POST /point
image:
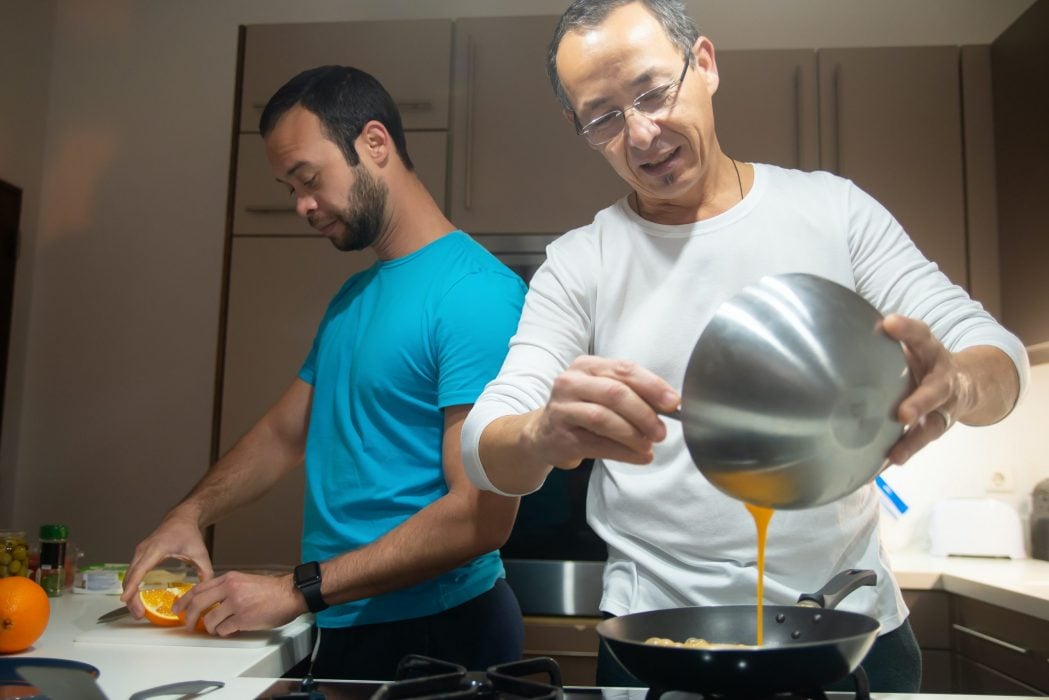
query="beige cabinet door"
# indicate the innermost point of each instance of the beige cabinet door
(263, 206)
(517, 165)
(765, 108)
(411, 58)
(278, 291)
(891, 121)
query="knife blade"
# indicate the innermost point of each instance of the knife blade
(113, 615)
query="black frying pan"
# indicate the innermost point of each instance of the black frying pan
(806, 646)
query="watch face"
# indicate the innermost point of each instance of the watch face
(304, 573)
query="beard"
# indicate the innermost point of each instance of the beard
(365, 211)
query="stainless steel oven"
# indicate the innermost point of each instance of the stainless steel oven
(553, 559)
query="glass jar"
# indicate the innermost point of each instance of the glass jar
(14, 553)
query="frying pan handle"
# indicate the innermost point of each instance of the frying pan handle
(837, 588)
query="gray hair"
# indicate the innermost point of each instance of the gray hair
(587, 14)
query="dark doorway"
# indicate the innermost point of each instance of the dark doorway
(10, 211)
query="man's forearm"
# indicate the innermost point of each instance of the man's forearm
(992, 385)
(448, 533)
(508, 459)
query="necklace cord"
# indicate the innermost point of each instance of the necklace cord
(738, 180)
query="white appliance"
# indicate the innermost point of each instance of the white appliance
(976, 527)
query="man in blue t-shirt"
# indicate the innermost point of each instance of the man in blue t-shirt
(400, 549)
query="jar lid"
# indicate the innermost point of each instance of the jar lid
(54, 532)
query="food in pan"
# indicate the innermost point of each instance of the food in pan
(694, 643)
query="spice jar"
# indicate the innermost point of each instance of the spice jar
(14, 553)
(51, 574)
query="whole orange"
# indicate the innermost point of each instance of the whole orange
(24, 612)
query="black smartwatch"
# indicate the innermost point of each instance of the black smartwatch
(308, 580)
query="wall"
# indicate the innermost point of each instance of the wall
(119, 341)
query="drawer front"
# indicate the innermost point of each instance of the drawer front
(571, 641)
(1013, 643)
(972, 678)
(553, 635)
(930, 617)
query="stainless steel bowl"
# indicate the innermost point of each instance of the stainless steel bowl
(790, 395)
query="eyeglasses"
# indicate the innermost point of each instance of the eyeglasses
(652, 103)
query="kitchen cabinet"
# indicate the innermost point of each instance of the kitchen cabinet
(930, 618)
(765, 108)
(997, 649)
(972, 647)
(1020, 71)
(410, 58)
(891, 121)
(517, 164)
(278, 291)
(571, 641)
(263, 206)
(909, 125)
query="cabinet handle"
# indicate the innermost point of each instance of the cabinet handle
(414, 105)
(269, 209)
(562, 652)
(468, 165)
(989, 638)
(836, 101)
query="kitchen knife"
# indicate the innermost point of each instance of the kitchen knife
(114, 615)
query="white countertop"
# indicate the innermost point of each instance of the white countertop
(1021, 585)
(129, 667)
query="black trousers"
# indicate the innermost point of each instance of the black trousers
(893, 665)
(481, 632)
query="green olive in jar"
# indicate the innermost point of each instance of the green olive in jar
(14, 556)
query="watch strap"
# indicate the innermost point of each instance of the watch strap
(308, 580)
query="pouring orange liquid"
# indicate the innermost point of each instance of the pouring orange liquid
(761, 516)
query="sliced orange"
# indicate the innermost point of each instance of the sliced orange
(158, 602)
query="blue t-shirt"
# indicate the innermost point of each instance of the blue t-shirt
(399, 342)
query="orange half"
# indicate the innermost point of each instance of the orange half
(158, 602)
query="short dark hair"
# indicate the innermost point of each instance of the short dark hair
(587, 14)
(344, 99)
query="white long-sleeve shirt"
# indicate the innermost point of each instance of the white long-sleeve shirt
(623, 287)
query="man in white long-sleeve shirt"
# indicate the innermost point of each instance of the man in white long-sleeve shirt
(611, 318)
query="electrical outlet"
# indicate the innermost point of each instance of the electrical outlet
(1000, 480)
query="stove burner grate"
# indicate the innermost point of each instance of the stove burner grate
(423, 678)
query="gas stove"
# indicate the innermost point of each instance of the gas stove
(423, 678)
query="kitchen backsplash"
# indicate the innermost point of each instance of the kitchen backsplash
(964, 464)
